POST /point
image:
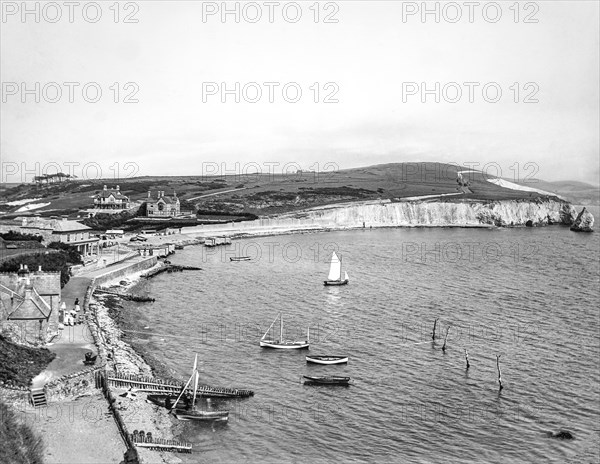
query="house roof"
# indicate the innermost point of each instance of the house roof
(32, 306)
(68, 226)
(168, 200)
(115, 193)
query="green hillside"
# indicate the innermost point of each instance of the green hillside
(264, 194)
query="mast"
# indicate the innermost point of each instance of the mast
(281, 327)
(195, 388)
(182, 392)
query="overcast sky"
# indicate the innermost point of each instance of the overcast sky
(371, 55)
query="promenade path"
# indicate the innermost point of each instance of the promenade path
(81, 430)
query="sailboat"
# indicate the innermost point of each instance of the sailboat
(335, 272)
(281, 343)
(191, 413)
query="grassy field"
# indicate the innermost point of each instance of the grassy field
(264, 194)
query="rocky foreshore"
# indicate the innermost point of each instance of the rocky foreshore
(136, 412)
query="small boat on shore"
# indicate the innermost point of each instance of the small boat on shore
(168, 401)
(327, 359)
(335, 272)
(280, 343)
(240, 258)
(326, 380)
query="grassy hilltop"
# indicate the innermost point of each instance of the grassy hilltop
(266, 194)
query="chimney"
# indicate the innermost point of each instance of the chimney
(149, 194)
(174, 193)
(117, 188)
(105, 187)
(39, 268)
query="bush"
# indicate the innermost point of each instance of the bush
(12, 236)
(20, 444)
(72, 253)
(110, 221)
(50, 261)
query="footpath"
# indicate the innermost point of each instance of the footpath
(80, 430)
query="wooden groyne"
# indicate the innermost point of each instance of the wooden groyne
(170, 268)
(150, 384)
(142, 440)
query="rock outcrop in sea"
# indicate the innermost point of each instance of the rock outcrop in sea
(584, 222)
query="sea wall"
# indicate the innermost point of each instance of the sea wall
(386, 213)
(125, 271)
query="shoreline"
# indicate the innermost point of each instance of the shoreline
(137, 413)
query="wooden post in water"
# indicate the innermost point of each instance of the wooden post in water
(434, 326)
(499, 373)
(445, 338)
(467, 358)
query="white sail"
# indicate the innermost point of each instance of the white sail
(346, 276)
(335, 269)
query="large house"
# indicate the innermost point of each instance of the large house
(162, 206)
(75, 234)
(29, 305)
(111, 199)
(62, 230)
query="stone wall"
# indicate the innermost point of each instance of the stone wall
(124, 271)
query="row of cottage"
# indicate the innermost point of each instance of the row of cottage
(161, 206)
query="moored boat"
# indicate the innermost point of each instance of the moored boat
(240, 258)
(281, 343)
(335, 272)
(326, 380)
(198, 415)
(327, 359)
(189, 412)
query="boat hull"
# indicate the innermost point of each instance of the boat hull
(183, 414)
(332, 380)
(163, 400)
(241, 258)
(284, 346)
(327, 359)
(336, 282)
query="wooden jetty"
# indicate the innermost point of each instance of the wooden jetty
(170, 268)
(150, 384)
(159, 444)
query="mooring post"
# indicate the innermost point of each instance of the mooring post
(467, 358)
(445, 338)
(499, 373)
(434, 326)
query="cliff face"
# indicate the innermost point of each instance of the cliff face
(416, 213)
(584, 222)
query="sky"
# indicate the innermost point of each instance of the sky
(369, 74)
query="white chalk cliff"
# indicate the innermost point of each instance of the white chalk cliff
(438, 214)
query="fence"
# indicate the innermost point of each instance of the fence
(154, 385)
